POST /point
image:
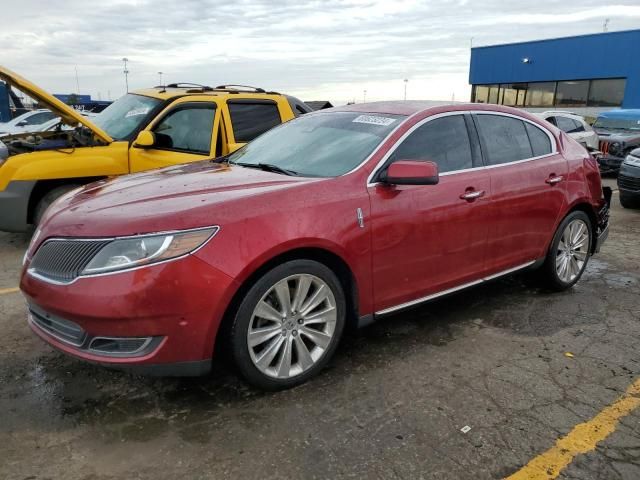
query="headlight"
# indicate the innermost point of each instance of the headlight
(631, 160)
(614, 147)
(130, 252)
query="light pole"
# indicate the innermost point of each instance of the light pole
(364, 96)
(160, 74)
(77, 82)
(126, 73)
(406, 80)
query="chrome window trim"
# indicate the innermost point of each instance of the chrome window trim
(433, 296)
(31, 272)
(394, 147)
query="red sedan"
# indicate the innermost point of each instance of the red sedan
(338, 217)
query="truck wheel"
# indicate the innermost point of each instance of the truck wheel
(48, 198)
(288, 325)
(569, 252)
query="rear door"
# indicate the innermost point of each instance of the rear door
(247, 118)
(186, 131)
(430, 238)
(528, 188)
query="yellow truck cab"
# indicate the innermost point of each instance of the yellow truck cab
(145, 129)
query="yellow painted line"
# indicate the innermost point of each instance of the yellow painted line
(4, 291)
(582, 439)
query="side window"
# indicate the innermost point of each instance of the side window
(39, 118)
(252, 119)
(504, 139)
(540, 143)
(579, 127)
(552, 121)
(567, 125)
(444, 141)
(188, 128)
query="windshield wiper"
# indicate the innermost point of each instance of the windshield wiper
(267, 167)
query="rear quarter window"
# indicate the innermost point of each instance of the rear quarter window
(540, 143)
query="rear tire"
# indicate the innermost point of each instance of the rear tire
(569, 252)
(48, 198)
(288, 325)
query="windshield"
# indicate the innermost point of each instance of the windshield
(319, 145)
(125, 115)
(617, 123)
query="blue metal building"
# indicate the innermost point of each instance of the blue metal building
(599, 70)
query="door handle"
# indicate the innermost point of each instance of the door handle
(471, 195)
(553, 179)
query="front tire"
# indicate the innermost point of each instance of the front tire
(569, 252)
(48, 198)
(288, 325)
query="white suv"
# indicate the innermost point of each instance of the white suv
(574, 125)
(27, 122)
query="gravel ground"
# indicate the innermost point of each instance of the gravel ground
(391, 404)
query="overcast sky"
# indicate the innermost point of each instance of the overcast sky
(318, 50)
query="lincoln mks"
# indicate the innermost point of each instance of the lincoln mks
(331, 220)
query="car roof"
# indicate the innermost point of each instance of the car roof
(166, 93)
(557, 113)
(628, 114)
(400, 107)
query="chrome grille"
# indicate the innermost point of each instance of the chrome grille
(63, 260)
(628, 183)
(60, 328)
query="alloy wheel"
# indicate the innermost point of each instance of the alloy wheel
(292, 326)
(572, 251)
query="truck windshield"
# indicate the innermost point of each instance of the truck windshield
(617, 123)
(125, 115)
(318, 145)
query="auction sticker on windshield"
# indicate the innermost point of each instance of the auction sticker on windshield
(137, 111)
(374, 120)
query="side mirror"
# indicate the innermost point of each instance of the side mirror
(145, 139)
(412, 172)
(21, 123)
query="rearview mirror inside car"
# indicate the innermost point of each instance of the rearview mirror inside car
(412, 172)
(145, 139)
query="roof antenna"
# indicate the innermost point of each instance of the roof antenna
(605, 25)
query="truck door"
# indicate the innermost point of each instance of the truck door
(185, 131)
(247, 118)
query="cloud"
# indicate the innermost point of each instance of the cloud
(332, 49)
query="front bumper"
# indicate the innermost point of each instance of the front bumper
(178, 305)
(609, 164)
(14, 206)
(629, 180)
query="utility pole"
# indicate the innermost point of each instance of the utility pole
(364, 97)
(160, 74)
(77, 82)
(126, 73)
(605, 25)
(406, 80)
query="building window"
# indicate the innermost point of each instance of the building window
(481, 93)
(572, 94)
(606, 93)
(540, 94)
(493, 93)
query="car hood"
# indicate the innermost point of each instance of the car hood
(68, 114)
(174, 198)
(617, 136)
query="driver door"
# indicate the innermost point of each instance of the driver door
(186, 131)
(429, 239)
